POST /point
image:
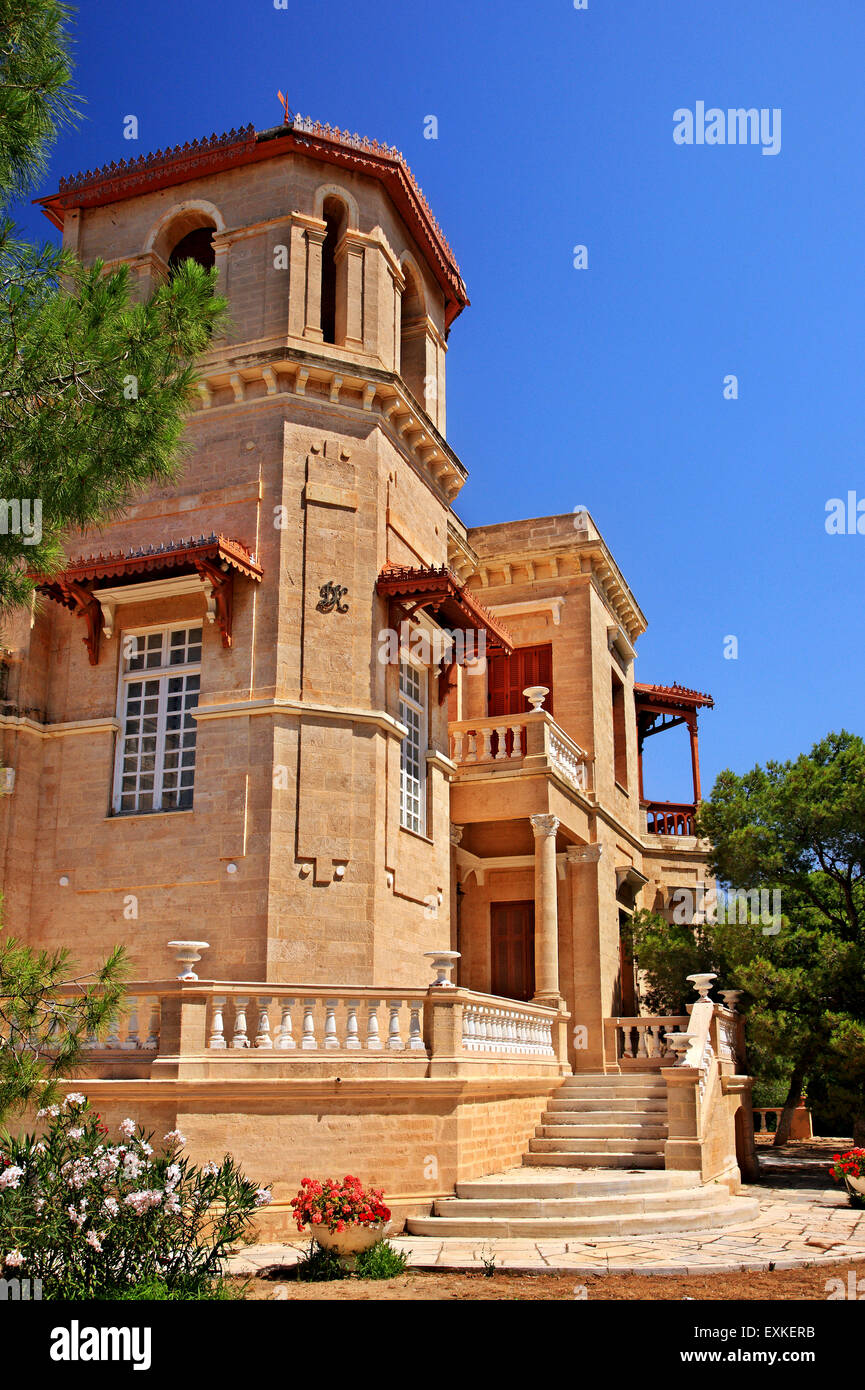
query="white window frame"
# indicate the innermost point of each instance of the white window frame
(163, 674)
(414, 789)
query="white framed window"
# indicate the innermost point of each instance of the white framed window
(160, 680)
(412, 767)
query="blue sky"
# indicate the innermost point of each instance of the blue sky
(604, 386)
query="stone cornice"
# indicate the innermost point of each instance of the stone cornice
(590, 557)
(234, 709)
(236, 378)
(76, 726)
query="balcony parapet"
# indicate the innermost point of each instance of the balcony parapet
(208, 1029)
(670, 817)
(531, 742)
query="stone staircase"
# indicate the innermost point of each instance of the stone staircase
(597, 1124)
(603, 1121)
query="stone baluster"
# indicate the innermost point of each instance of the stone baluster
(457, 745)
(627, 1044)
(217, 1026)
(394, 1041)
(485, 752)
(240, 1038)
(373, 1041)
(469, 1028)
(262, 1036)
(308, 1039)
(415, 1030)
(132, 1040)
(517, 745)
(153, 1027)
(642, 1048)
(331, 1038)
(285, 1038)
(502, 735)
(472, 751)
(352, 1041)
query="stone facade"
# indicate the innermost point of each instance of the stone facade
(317, 442)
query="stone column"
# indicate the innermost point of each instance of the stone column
(349, 259)
(456, 833)
(314, 243)
(546, 910)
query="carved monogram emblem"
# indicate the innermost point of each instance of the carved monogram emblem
(331, 598)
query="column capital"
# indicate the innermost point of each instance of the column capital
(456, 834)
(544, 825)
(584, 854)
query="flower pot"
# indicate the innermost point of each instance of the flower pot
(349, 1243)
(855, 1186)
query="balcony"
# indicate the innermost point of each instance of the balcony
(669, 817)
(532, 742)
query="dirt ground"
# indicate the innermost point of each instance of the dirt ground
(807, 1283)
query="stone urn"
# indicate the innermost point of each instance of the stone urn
(536, 694)
(702, 984)
(443, 963)
(188, 954)
(350, 1243)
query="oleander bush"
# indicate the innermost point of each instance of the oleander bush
(96, 1219)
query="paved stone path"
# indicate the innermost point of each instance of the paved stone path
(800, 1222)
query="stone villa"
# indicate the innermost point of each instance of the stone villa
(290, 723)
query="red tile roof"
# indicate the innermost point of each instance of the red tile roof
(451, 602)
(214, 153)
(171, 555)
(673, 695)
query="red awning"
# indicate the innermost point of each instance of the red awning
(437, 591)
(215, 559)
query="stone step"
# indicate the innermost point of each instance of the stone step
(518, 1184)
(575, 1116)
(702, 1199)
(562, 1129)
(608, 1104)
(627, 1088)
(696, 1218)
(615, 1078)
(559, 1158)
(599, 1146)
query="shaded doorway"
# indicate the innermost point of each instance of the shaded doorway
(512, 950)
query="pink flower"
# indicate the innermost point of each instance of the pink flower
(127, 1128)
(14, 1260)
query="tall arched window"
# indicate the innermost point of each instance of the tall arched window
(334, 215)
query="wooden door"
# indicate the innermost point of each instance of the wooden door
(512, 950)
(508, 677)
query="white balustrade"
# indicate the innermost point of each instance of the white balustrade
(489, 1028)
(124, 1034)
(568, 759)
(330, 1023)
(487, 742)
(651, 1041)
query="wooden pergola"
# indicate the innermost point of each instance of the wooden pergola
(661, 707)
